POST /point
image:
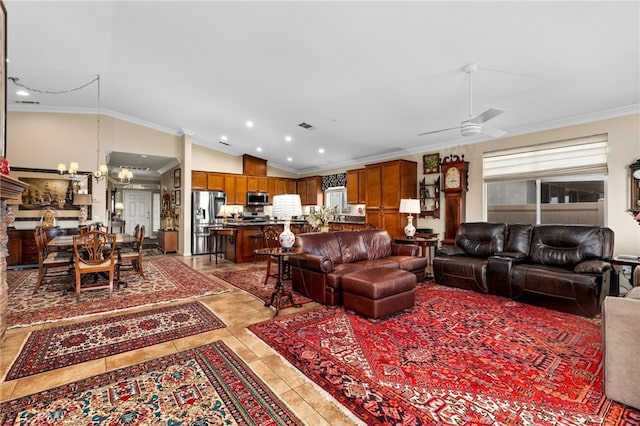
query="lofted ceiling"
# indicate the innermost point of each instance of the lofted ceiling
(368, 76)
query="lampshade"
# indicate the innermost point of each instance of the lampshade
(409, 205)
(119, 206)
(81, 199)
(286, 206)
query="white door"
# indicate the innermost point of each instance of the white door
(137, 210)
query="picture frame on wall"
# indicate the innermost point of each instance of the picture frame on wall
(431, 163)
(176, 197)
(176, 178)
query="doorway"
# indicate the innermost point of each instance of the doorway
(137, 209)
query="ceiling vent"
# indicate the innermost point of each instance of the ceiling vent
(224, 143)
(305, 125)
(28, 102)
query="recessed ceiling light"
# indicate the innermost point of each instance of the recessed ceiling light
(288, 138)
(321, 150)
(249, 124)
(259, 149)
(22, 93)
(223, 138)
(289, 159)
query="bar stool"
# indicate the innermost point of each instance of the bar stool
(256, 241)
(217, 239)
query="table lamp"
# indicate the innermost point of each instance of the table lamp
(409, 205)
(286, 206)
(82, 200)
(118, 208)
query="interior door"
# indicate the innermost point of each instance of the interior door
(137, 209)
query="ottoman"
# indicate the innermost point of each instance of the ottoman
(378, 292)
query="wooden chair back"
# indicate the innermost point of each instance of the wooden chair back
(94, 244)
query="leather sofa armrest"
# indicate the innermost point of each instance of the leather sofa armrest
(592, 267)
(515, 255)
(404, 249)
(447, 250)
(313, 262)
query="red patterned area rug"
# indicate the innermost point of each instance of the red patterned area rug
(57, 347)
(251, 281)
(458, 357)
(208, 385)
(167, 279)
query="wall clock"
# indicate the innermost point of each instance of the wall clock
(455, 171)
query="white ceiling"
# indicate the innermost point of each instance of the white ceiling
(368, 76)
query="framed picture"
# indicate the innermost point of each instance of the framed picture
(177, 197)
(431, 163)
(3, 81)
(176, 178)
(49, 190)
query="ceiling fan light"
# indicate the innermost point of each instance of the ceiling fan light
(468, 128)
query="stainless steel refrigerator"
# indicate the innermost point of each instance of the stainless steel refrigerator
(205, 206)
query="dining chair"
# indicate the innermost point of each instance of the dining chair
(50, 263)
(96, 259)
(132, 258)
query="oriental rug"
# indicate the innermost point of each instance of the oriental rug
(458, 357)
(251, 280)
(167, 279)
(208, 385)
(71, 344)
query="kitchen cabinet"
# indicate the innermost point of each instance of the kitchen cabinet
(215, 181)
(388, 183)
(356, 186)
(199, 180)
(310, 190)
(240, 190)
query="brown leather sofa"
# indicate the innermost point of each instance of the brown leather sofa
(329, 256)
(564, 267)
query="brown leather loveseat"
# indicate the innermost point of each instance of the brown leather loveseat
(329, 256)
(564, 267)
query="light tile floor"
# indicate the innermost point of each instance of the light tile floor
(238, 310)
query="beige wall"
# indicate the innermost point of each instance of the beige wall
(43, 140)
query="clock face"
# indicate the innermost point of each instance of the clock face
(636, 174)
(452, 178)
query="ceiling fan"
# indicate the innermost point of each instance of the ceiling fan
(474, 125)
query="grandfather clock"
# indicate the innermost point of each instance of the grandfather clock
(454, 176)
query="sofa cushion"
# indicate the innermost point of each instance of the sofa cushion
(378, 242)
(480, 239)
(565, 245)
(352, 246)
(334, 279)
(321, 244)
(518, 239)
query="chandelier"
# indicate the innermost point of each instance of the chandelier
(125, 175)
(101, 170)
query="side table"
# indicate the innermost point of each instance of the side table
(622, 260)
(426, 247)
(280, 292)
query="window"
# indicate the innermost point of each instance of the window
(336, 197)
(557, 182)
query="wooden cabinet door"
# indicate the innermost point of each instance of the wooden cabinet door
(374, 218)
(390, 185)
(362, 186)
(199, 180)
(230, 189)
(373, 182)
(252, 183)
(263, 184)
(272, 188)
(290, 186)
(302, 190)
(241, 189)
(314, 191)
(281, 186)
(352, 186)
(215, 182)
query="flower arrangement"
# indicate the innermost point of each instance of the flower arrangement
(321, 217)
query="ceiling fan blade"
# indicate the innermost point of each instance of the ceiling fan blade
(492, 131)
(486, 116)
(438, 131)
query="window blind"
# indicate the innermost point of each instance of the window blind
(578, 156)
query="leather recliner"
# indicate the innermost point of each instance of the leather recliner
(563, 267)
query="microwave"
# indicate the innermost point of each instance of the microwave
(257, 198)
